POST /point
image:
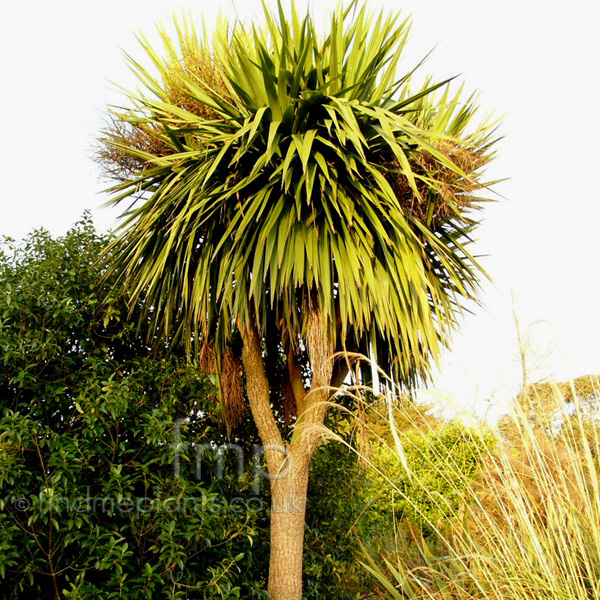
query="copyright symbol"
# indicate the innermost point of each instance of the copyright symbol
(21, 504)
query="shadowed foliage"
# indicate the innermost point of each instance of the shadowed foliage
(89, 505)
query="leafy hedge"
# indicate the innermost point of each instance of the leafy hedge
(90, 505)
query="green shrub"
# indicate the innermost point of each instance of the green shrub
(371, 498)
(90, 506)
(422, 490)
(335, 503)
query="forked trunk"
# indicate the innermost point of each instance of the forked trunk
(288, 463)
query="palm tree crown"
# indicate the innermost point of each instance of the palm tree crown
(281, 171)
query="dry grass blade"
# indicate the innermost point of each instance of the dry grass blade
(530, 526)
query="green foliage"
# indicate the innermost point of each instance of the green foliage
(425, 494)
(370, 499)
(276, 168)
(90, 506)
(547, 405)
(88, 422)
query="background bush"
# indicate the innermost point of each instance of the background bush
(88, 425)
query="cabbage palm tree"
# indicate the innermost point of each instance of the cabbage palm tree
(290, 198)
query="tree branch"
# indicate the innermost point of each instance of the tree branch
(320, 351)
(296, 382)
(259, 397)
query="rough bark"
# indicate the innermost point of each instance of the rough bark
(288, 515)
(257, 388)
(288, 465)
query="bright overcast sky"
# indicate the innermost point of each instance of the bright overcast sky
(536, 62)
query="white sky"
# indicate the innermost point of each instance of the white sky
(536, 62)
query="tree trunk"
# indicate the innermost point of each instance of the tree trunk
(288, 464)
(288, 511)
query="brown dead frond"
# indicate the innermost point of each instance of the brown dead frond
(231, 385)
(202, 70)
(443, 192)
(125, 138)
(232, 389)
(119, 164)
(284, 400)
(207, 358)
